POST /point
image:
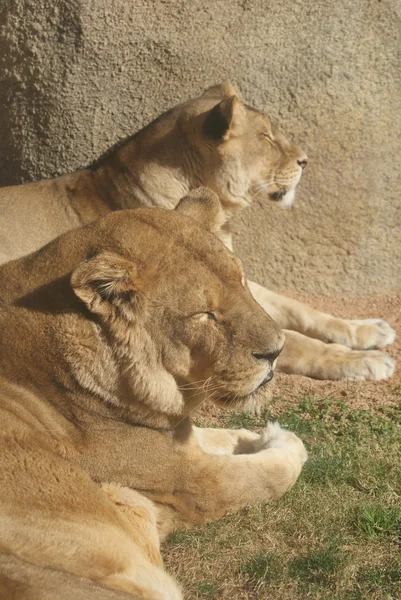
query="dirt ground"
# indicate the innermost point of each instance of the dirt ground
(290, 388)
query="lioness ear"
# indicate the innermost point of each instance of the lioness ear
(105, 281)
(221, 90)
(204, 207)
(224, 119)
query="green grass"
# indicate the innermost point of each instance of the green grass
(264, 566)
(207, 588)
(335, 536)
(374, 520)
(317, 566)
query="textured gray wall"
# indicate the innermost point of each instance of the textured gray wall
(77, 75)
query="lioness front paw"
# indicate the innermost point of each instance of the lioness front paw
(370, 333)
(273, 436)
(368, 366)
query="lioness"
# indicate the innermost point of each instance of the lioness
(216, 141)
(111, 336)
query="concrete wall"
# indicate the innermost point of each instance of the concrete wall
(77, 75)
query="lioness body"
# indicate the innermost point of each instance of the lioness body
(179, 151)
(218, 142)
(106, 349)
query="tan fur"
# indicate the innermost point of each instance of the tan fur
(215, 141)
(107, 347)
(22, 580)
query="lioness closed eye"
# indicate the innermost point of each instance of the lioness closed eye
(111, 336)
(217, 141)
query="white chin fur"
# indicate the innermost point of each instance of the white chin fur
(287, 200)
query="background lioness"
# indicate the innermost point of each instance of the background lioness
(217, 141)
(107, 346)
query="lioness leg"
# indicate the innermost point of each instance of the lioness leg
(291, 314)
(142, 515)
(220, 484)
(22, 580)
(305, 356)
(226, 441)
(64, 521)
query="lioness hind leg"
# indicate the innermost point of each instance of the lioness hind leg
(305, 356)
(142, 515)
(290, 314)
(145, 583)
(67, 523)
(21, 580)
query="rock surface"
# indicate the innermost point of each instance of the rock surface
(76, 76)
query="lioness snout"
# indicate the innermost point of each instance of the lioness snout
(303, 162)
(268, 378)
(268, 347)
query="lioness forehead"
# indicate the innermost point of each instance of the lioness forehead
(257, 118)
(157, 235)
(201, 104)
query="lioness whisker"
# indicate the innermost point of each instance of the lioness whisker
(212, 390)
(262, 184)
(206, 387)
(199, 405)
(262, 187)
(232, 400)
(192, 383)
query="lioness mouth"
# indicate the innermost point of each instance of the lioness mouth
(277, 195)
(268, 378)
(240, 399)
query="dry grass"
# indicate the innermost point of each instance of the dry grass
(335, 536)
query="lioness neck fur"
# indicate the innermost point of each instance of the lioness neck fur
(107, 346)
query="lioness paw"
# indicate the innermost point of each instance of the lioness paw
(369, 366)
(273, 436)
(370, 333)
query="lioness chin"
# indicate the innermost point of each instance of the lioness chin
(216, 141)
(107, 347)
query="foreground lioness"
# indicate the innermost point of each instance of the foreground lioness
(217, 141)
(107, 345)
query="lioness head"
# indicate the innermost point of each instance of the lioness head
(173, 304)
(217, 141)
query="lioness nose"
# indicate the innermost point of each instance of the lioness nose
(268, 356)
(302, 162)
